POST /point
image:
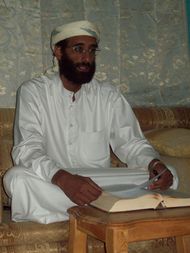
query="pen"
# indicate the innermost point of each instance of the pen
(157, 175)
(146, 184)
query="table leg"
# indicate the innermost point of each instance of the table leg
(77, 238)
(183, 244)
(116, 241)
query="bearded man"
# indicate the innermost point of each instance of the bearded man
(64, 127)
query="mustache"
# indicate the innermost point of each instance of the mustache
(85, 64)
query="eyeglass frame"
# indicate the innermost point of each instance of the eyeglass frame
(78, 49)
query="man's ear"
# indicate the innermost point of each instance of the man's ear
(57, 52)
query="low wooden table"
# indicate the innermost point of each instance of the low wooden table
(119, 229)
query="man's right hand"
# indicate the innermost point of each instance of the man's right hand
(81, 190)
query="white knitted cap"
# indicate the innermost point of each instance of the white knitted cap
(78, 28)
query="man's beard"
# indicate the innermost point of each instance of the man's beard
(68, 69)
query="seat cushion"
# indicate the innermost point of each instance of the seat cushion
(31, 237)
(171, 142)
(5, 161)
(5, 164)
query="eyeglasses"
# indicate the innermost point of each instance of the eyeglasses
(78, 49)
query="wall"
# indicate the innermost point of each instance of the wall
(143, 46)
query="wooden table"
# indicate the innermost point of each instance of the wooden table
(119, 229)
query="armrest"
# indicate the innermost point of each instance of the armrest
(6, 140)
(162, 117)
(1, 201)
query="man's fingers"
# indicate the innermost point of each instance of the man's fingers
(93, 184)
(85, 197)
(163, 183)
(89, 192)
(81, 190)
(84, 191)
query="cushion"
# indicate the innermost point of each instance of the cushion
(5, 151)
(5, 163)
(171, 142)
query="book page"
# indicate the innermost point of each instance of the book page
(173, 198)
(134, 200)
(126, 197)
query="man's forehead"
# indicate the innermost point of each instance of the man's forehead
(82, 39)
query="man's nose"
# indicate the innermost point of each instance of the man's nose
(87, 57)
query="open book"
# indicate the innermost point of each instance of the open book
(141, 199)
(120, 198)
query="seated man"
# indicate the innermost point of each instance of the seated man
(68, 121)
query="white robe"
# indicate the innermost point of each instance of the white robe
(53, 132)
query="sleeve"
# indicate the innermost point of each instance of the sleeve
(29, 150)
(127, 139)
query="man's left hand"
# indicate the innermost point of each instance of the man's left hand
(164, 181)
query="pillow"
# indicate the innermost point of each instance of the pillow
(171, 142)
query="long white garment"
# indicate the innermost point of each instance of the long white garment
(37, 200)
(54, 132)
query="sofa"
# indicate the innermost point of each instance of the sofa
(167, 129)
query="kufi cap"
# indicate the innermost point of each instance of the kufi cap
(78, 28)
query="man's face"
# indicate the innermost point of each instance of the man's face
(77, 61)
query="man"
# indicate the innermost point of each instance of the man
(69, 121)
